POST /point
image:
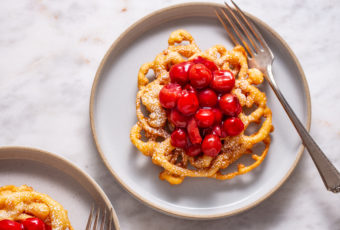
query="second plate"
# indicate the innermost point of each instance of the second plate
(53, 175)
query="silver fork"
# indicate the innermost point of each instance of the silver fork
(243, 32)
(95, 222)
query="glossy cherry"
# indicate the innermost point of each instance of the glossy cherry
(200, 76)
(233, 126)
(223, 81)
(190, 89)
(187, 103)
(210, 64)
(179, 73)
(218, 115)
(178, 119)
(179, 138)
(217, 130)
(211, 145)
(169, 95)
(193, 150)
(194, 132)
(205, 118)
(10, 225)
(33, 224)
(207, 98)
(230, 105)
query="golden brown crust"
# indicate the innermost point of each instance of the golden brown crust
(174, 161)
(19, 203)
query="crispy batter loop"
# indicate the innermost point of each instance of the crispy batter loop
(19, 203)
(154, 126)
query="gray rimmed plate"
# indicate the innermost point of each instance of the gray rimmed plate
(112, 114)
(57, 177)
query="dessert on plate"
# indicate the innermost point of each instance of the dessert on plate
(193, 115)
(22, 208)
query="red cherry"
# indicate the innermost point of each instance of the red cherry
(194, 150)
(210, 64)
(207, 98)
(200, 76)
(33, 224)
(218, 115)
(223, 81)
(179, 73)
(233, 126)
(205, 118)
(187, 103)
(194, 132)
(169, 95)
(190, 89)
(217, 130)
(179, 138)
(178, 119)
(230, 105)
(211, 145)
(10, 225)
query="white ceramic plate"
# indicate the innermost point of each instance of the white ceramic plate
(112, 114)
(50, 174)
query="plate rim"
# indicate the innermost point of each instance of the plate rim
(154, 205)
(67, 167)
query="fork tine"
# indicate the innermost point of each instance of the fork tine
(230, 34)
(237, 32)
(96, 219)
(88, 225)
(243, 28)
(103, 220)
(253, 29)
(111, 219)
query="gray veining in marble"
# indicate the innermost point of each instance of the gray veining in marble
(49, 53)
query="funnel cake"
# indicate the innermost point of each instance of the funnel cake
(154, 136)
(22, 203)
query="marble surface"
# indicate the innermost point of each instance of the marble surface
(49, 53)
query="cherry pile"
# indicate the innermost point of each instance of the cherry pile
(200, 106)
(28, 224)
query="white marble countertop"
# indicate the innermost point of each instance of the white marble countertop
(49, 53)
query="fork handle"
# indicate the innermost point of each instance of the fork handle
(329, 174)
